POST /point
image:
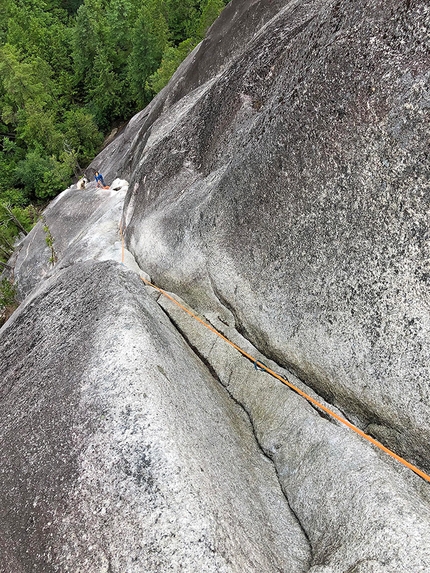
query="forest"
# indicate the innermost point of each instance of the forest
(70, 71)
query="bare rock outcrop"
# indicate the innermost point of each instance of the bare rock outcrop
(290, 184)
(119, 451)
(359, 515)
(82, 224)
(279, 185)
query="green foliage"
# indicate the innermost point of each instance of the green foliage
(39, 158)
(21, 218)
(15, 217)
(8, 299)
(10, 154)
(81, 134)
(49, 239)
(182, 16)
(12, 197)
(149, 39)
(172, 57)
(70, 70)
(84, 45)
(193, 24)
(7, 293)
(211, 9)
(102, 43)
(71, 5)
(41, 176)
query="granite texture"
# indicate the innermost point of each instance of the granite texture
(280, 185)
(290, 184)
(119, 450)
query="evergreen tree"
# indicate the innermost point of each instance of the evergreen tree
(71, 6)
(172, 57)
(149, 39)
(84, 46)
(71, 68)
(182, 17)
(211, 9)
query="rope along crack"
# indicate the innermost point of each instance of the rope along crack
(261, 366)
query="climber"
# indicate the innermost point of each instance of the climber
(99, 180)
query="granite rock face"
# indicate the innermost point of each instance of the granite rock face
(83, 224)
(119, 450)
(279, 184)
(358, 514)
(289, 183)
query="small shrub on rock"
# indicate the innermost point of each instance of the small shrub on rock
(8, 299)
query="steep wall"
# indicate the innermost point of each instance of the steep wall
(290, 184)
(280, 185)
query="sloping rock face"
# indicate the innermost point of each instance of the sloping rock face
(278, 184)
(119, 450)
(289, 183)
(359, 515)
(83, 224)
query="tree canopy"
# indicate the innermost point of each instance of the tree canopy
(70, 71)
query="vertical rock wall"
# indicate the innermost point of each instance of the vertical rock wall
(291, 186)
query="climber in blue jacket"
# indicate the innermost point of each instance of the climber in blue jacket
(99, 180)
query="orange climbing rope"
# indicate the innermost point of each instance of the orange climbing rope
(262, 366)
